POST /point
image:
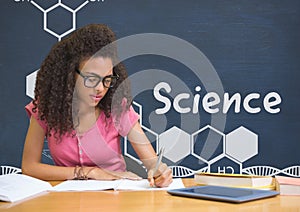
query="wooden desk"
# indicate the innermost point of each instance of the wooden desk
(109, 201)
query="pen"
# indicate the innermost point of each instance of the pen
(160, 155)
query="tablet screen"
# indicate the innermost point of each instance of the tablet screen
(220, 191)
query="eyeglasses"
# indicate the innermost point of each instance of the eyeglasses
(92, 81)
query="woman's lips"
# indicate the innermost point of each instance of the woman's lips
(96, 97)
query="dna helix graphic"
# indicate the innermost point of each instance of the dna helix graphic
(293, 171)
(181, 171)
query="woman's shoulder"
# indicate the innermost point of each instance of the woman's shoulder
(32, 111)
(29, 108)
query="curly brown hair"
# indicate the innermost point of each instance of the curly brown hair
(56, 78)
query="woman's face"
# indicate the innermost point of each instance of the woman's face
(94, 67)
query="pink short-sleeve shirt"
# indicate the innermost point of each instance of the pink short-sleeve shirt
(99, 146)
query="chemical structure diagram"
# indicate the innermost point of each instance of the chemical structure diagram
(67, 8)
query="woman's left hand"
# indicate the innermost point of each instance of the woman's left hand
(162, 177)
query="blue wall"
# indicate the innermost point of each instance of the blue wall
(253, 46)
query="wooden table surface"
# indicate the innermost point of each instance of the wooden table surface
(142, 201)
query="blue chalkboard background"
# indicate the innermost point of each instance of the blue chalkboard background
(254, 47)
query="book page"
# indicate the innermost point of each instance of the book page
(15, 187)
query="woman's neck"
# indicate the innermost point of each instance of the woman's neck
(87, 118)
(84, 111)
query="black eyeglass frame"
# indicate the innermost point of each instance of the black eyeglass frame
(101, 79)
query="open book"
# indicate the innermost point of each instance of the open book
(235, 180)
(15, 187)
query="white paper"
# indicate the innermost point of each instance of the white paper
(15, 187)
(124, 184)
(138, 185)
(84, 185)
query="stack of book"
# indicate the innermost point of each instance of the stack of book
(288, 185)
(236, 180)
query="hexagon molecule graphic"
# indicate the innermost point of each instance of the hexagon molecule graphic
(241, 144)
(207, 149)
(59, 9)
(176, 143)
(64, 27)
(30, 84)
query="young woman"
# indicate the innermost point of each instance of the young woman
(82, 106)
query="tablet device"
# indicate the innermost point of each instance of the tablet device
(221, 193)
